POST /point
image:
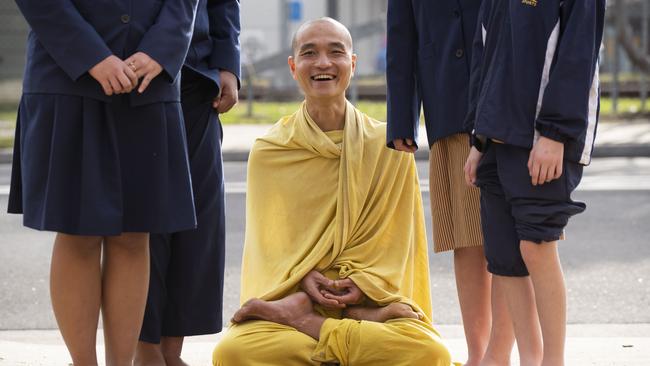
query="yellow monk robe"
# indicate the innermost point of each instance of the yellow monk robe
(341, 203)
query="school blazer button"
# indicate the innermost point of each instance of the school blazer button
(460, 53)
(125, 18)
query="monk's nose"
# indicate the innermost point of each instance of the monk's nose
(323, 61)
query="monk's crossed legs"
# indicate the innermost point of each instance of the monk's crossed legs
(289, 332)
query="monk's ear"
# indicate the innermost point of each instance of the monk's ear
(292, 66)
(354, 63)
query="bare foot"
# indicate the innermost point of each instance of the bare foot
(148, 354)
(295, 310)
(282, 311)
(381, 314)
(175, 362)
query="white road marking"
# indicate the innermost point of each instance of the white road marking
(598, 183)
(588, 183)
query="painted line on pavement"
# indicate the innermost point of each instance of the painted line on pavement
(588, 183)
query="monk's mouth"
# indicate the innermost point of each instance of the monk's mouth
(323, 77)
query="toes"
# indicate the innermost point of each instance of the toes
(413, 315)
(237, 318)
(243, 313)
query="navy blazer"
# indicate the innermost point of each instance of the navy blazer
(428, 64)
(69, 37)
(215, 41)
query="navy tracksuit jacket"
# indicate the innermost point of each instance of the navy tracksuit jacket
(535, 72)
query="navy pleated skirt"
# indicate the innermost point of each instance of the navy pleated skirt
(187, 268)
(87, 167)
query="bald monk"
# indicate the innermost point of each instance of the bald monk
(335, 267)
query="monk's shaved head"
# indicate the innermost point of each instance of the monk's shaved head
(345, 33)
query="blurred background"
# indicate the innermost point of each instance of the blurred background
(267, 27)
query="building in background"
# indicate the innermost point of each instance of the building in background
(267, 26)
(13, 37)
(267, 30)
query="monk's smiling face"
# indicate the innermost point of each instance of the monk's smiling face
(322, 61)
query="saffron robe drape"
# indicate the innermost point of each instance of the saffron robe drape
(343, 204)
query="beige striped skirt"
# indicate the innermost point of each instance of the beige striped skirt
(455, 207)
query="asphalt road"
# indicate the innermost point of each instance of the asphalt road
(606, 256)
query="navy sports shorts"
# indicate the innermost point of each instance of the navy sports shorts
(512, 209)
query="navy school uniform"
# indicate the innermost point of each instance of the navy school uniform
(534, 73)
(512, 209)
(428, 51)
(187, 268)
(86, 163)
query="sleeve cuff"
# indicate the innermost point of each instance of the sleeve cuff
(225, 57)
(396, 135)
(551, 132)
(83, 61)
(477, 141)
(171, 69)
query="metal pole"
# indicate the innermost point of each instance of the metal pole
(620, 21)
(354, 90)
(249, 89)
(333, 9)
(284, 37)
(284, 23)
(615, 79)
(644, 48)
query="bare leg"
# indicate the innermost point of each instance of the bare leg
(126, 280)
(171, 350)
(543, 263)
(473, 286)
(502, 336)
(148, 354)
(521, 305)
(295, 310)
(380, 314)
(75, 289)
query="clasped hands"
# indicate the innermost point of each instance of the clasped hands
(331, 294)
(117, 76)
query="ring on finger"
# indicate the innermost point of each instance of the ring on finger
(132, 66)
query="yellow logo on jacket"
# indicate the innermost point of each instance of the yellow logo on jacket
(529, 2)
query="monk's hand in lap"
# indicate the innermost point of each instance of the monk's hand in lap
(406, 145)
(471, 165)
(114, 75)
(344, 291)
(545, 161)
(145, 68)
(313, 283)
(228, 94)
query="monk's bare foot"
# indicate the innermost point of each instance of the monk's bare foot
(176, 361)
(295, 310)
(283, 311)
(381, 314)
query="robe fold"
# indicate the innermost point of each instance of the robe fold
(342, 203)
